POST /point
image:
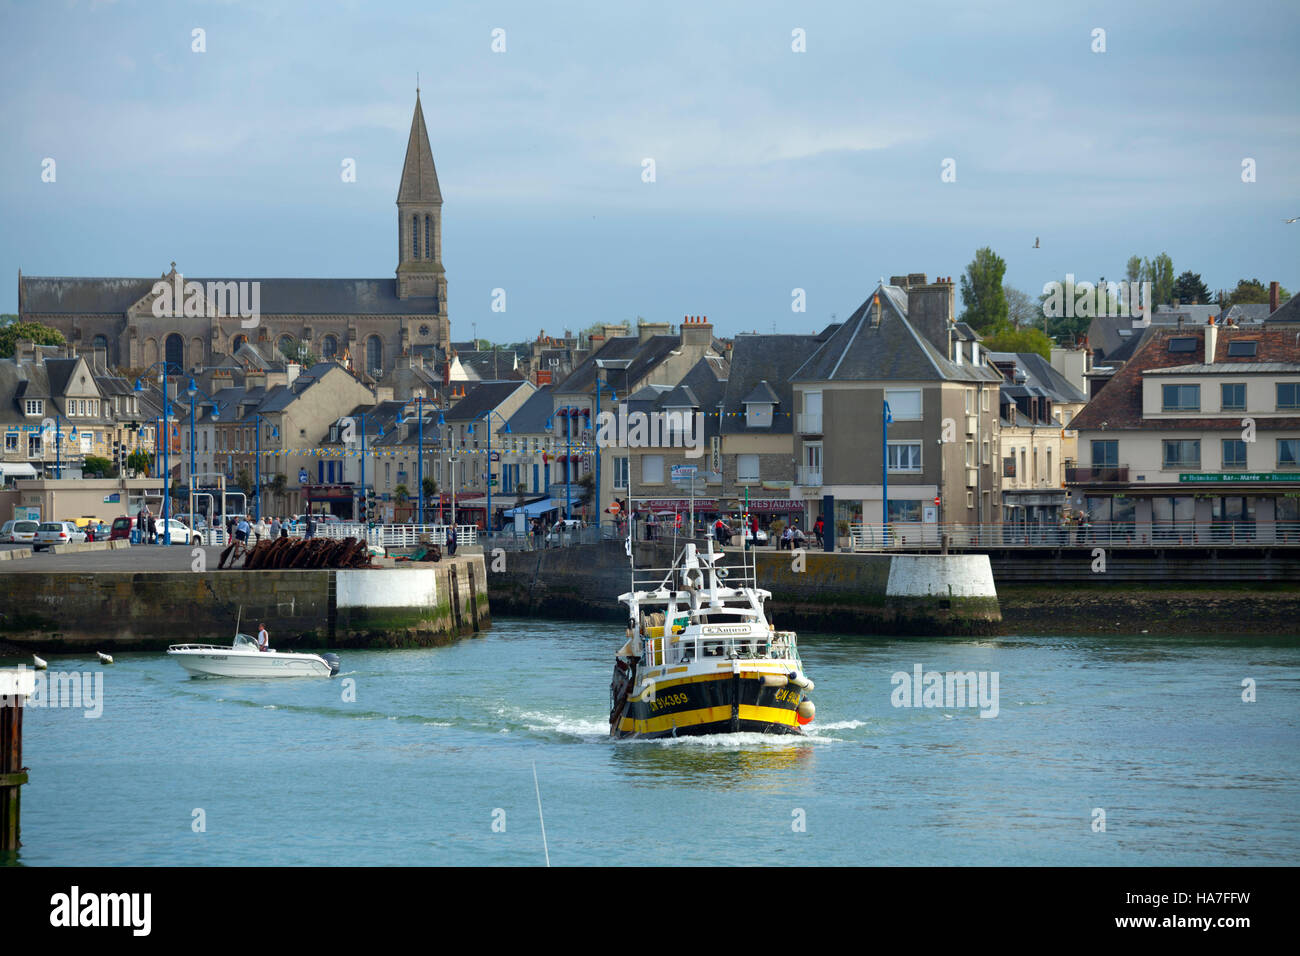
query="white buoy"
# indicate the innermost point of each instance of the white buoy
(40, 663)
(104, 658)
(775, 680)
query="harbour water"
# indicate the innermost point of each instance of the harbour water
(433, 762)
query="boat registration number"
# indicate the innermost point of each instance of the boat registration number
(667, 700)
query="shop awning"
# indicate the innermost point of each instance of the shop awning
(535, 508)
(16, 469)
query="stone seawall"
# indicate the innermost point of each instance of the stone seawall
(848, 593)
(418, 605)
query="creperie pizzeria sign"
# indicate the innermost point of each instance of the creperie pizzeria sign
(759, 505)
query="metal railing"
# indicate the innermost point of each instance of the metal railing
(1095, 474)
(1113, 534)
(809, 478)
(382, 536)
(809, 423)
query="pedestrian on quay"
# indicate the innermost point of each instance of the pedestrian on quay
(242, 529)
(451, 542)
(819, 528)
(311, 525)
(275, 527)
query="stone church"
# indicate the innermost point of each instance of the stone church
(192, 323)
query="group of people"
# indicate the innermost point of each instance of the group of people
(241, 529)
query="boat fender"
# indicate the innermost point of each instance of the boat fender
(803, 683)
(805, 712)
(775, 680)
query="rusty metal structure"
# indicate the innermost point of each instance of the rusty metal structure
(299, 553)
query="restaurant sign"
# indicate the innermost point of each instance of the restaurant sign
(1196, 478)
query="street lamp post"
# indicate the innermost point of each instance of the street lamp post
(487, 417)
(418, 402)
(257, 464)
(568, 457)
(191, 391)
(885, 418)
(58, 444)
(166, 418)
(613, 397)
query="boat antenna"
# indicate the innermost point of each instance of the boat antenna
(238, 618)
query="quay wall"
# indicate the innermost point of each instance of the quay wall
(852, 593)
(406, 606)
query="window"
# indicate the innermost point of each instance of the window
(970, 453)
(1009, 465)
(758, 414)
(1105, 453)
(984, 457)
(1182, 453)
(34, 445)
(1183, 345)
(428, 238)
(984, 399)
(1288, 452)
(34, 406)
(904, 404)
(620, 472)
(1181, 398)
(1050, 476)
(1234, 453)
(970, 401)
(11, 441)
(747, 468)
(1242, 349)
(904, 510)
(905, 456)
(652, 469)
(415, 237)
(1234, 396)
(1288, 395)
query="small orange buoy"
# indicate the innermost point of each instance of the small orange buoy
(805, 712)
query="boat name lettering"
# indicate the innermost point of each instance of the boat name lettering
(786, 694)
(725, 629)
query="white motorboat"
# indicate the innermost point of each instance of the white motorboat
(243, 659)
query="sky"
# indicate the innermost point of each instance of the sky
(775, 169)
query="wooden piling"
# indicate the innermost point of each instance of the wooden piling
(15, 686)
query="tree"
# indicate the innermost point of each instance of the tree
(1253, 292)
(1026, 339)
(1160, 273)
(1133, 269)
(244, 480)
(981, 292)
(138, 461)
(37, 333)
(278, 486)
(1190, 290)
(1021, 308)
(401, 494)
(96, 467)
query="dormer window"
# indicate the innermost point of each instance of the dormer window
(758, 414)
(34, 406)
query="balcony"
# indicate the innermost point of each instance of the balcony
(809, 423)
(1096, 475)
(810, 478)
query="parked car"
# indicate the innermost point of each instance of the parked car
(564, 531)
(121, 529)
(57, 532)
(197, 522)
(18, 531)
(180, 533)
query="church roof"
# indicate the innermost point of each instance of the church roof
(54, 295)
(419, 178)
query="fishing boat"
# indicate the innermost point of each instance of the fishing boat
(243, 658)
(701, 656)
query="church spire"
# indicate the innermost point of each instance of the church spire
(419, 177)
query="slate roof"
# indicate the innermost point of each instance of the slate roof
(1288, 312)
(59, 295)
(762, 393)
(530, 418)
(772, 359)
(643, 356)
(892, 351)
(481, 398)
(1040, 373)
(1119, 404)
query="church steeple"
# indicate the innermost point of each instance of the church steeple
(420, 275)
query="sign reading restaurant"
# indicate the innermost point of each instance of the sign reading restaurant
(1256, 476)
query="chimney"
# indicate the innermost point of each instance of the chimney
(1211, 341)
(697, 332)
(931, 311)
(647, 329)
(1272, 297)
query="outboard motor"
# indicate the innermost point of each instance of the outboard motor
(333, 661)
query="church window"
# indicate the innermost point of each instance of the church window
(428, 237)
(375, 355)
(415, 237)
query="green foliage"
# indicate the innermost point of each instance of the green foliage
(586, 488)
(1068, 329)
(981, 292)
(401, 494)
(96, 467)
(1133, 269)
(244, 480)
(1189, 289)
(40, 334)
(1253, 292)
(430, 488)
(1160, 273)
(1025, 339)
(138, 461)
(1021, 307)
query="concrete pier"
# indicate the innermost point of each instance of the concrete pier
(147, 599)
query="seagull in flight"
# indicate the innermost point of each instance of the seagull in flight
(1036, 246)
(1293, 219)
